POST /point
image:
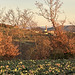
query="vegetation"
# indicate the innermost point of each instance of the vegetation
(44, 54)
(22, 19)
(34, 45)
(60, 43)
(7, 49)
(38, 67)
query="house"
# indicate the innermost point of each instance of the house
(51, 32)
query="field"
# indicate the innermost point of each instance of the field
(38, 67)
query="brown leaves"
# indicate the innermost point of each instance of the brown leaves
(7, 49)
(42, 48)
(62, 41)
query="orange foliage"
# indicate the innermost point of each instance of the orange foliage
(61, 41)
(72, 43)
(17, 33)
(57, 47)
(7, 49)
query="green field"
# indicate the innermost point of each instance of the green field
(38, 67)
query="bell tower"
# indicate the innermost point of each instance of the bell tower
(46, 27)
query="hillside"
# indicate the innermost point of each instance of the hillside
(26, 39)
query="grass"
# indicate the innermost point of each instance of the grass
(37, 67)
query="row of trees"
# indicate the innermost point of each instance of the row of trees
(20, 18)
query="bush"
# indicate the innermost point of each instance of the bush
(53, 47)
(42, 48)
(63, 46)
(7, 49)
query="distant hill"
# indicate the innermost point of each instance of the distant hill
(66, 28)
(70, 28)
(38, 28)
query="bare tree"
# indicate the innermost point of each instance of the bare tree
(27, 17)
(20, 18)
(10, 17)
(2, 20)
(72, 23)
(51, 11)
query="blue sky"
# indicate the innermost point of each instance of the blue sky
(68, 7)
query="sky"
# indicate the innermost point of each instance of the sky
(68, 7)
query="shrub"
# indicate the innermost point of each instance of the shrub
(53, 47)
(63, 47)
(7, 49)
(42, 48)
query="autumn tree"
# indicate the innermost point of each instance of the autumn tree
(60, 42)
(7, 49)
(51, 11)
(63, 47)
